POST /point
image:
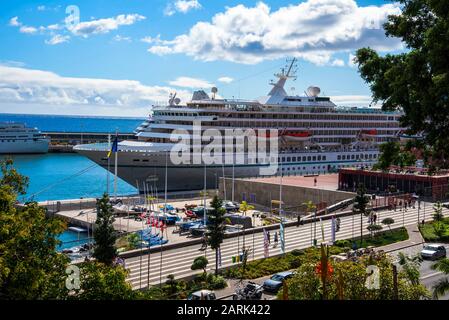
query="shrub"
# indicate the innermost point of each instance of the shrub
(342, 243)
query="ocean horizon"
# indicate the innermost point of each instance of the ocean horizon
(74, 123)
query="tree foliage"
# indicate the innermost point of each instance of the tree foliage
(104, 233)
(200, 263)
(216, 227)
(416, 81)
(30, 267)
(99, 281)
(348, 282)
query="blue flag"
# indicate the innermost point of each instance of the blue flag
(114, 147)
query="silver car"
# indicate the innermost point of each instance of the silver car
(433, 251)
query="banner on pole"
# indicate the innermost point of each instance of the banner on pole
(282, 236)
(333, 226)
(265, 244)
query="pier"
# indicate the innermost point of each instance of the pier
(65, 141)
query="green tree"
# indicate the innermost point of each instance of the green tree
(245, 207)
(12, 178)
(200, 263)
(389, 153)
(360, 207)
(99, 281)
(388, 222)
(30, 266)
(374, 228)
(437, 212)
(104, 233)
(216, 227)
(442, 286)
(416, 81)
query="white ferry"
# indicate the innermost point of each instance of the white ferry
(17, 138)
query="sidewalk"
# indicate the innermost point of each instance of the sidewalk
(415, 238)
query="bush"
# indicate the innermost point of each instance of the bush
(343, 243)
(297, 252)
(216, 282)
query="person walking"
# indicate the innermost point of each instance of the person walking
(337, 222)
(204, 245)
(269, 237)
(275, 239)
(314, 182)
(299, 221)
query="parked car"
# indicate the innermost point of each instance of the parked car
(202, 295)
(433, 251)
(251, 291)
(275, 282)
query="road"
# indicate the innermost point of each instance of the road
(178, 261)
(428, 277)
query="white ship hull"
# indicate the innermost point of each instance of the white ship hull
(31, 146)
(136, 168)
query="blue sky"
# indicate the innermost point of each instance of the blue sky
(123, 56)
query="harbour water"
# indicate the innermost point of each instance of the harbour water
(57, 123)
(58, 176)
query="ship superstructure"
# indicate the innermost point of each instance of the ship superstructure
(18, 138)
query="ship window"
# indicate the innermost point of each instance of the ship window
(343, 157)
(294, 159)
(314, 158)
(352, 157)
(145, 160)
(136, 160)
(338, 157)
(309, 158)
(303, 158)
(319, 158)
(288, 159)
(324, 158)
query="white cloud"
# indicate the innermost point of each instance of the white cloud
(351, 61)
(105, 25)
(120, 38)
(41, 8)
(57, 39)
(37, 91)
(337, 63)
(225, 79)
(182, 6)
(28, 29)
(314, 30)
(14, 22)
(187, 82)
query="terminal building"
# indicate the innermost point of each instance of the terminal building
(411, 180)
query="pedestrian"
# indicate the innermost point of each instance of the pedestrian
(338, 223)
(299, 221)
(275, 239)
(268, 236)
(204, 245)
(314, 182)
(375, 218)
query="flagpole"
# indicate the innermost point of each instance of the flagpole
(109, 162)
(115, 168)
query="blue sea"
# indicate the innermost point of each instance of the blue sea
(56, 176)
(57, 123)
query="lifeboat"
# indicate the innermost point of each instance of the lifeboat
(368, 133)
(297, 136)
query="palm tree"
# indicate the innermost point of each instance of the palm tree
(245, 207)
(310, 206)
(442, 286)
(360, 206)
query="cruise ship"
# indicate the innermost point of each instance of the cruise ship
(18, 138)
(314, 136)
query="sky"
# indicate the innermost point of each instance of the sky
(118, 58)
